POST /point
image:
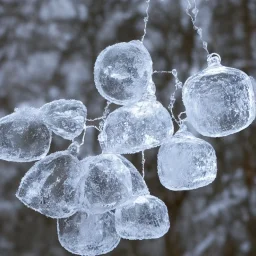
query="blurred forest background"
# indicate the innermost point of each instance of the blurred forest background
(47, 51)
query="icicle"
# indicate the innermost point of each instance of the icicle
(146, 20)
(192, 12)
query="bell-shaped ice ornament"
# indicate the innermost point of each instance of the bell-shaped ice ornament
(23, 136)
(50, 186)
(186, 162)
(219, 100)
(106, 183)
(130, 129)
(89, 235)
(145, 218)
(65, 118)
(122, 72)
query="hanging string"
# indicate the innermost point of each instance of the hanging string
(146, 18)
(83, 138)
(93, 126)
(192, 12)
(104, 116)
(143, 160)
(84, 132)
(178, 85)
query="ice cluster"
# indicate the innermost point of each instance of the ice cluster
(100, 199)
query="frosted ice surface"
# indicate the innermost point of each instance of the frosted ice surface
(186, 162)
(219, 100)
(23, 136)
(105, 185)
(65, 118)
(139, 186)
(122, 72)
(88, 235)
(134, 128)
(49, 187)
(145, 218)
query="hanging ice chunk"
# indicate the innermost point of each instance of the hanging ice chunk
(49, 187)
(122, 72)
(23, 136)
(141, 126)
(139, 186)
(105, 185)
(219, 100)
(186, 162)
(145, 218)
(88, 235)
(65, 118)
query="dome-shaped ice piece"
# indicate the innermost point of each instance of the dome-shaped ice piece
(106, 183)
(219, 100)
(186, 162)
(122, 72)
(65, 118)
(23, 136)
(88, 235)
(134, 128)
(49, 187)
(145, 218)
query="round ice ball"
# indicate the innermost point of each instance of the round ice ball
(106, 183)
(122, 72)
(90, 235)
(186, 162)
(219, 100)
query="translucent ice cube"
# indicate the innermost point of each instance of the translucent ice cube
(186, 162)
(145, 218)
(23, 136)
(88, 235)
(65, 118)
(106, 183)
(122, 72)
(219, 100)
(134, 128)
(49, 187)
